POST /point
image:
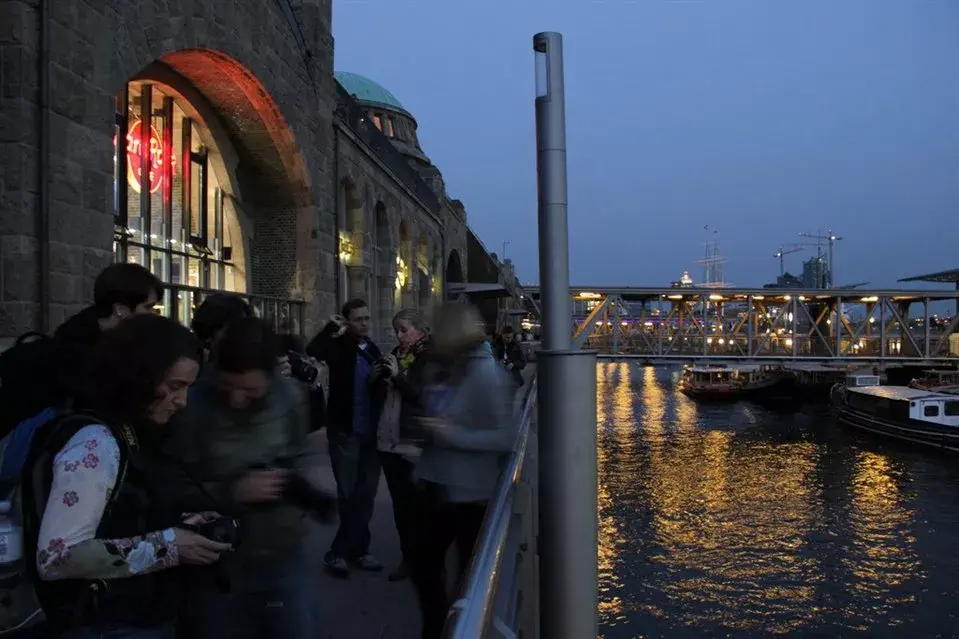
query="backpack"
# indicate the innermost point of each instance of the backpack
(26, 384)
(26, 474)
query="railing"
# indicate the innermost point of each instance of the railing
(499, 597)
(355, 117)
(285, 315)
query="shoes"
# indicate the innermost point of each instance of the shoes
(336, 566)
(369, 563)
(402, 572)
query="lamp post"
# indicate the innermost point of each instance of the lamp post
(566, 424)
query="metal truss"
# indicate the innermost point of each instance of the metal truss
(769, 324)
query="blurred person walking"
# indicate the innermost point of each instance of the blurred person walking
(468, 430)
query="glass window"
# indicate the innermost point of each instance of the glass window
(390, 126)
(172, 214)
(378, 121)
(930, 410)
(952, 409)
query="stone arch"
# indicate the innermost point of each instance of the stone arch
(404, 265)
(454, 269)
(272, 195)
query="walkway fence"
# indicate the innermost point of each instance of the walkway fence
(499, 600)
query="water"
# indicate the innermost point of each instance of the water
(735, 520)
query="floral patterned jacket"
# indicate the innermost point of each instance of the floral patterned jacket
(84, 476)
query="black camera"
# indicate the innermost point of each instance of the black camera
(302, 494)
(302, 368)
(223, 530)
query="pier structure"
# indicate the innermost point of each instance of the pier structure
(687, 324)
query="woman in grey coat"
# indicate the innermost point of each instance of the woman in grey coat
(470, 430)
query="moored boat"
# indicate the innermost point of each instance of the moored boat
(721, 382)
(910, 414)
(937, 380)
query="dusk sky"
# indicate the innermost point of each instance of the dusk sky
(759, 118)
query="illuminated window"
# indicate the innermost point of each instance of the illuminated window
(390, 126)
(171, 213)
(378, 121)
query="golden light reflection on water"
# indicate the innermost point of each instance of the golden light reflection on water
(711, 517)
(612, 385)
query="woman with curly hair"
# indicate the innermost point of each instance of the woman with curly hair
(103, 507)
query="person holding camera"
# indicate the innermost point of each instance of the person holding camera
(397, 433)
(352, 413)
(244, 435)
(102, 506)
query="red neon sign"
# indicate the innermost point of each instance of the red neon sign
(158, 157)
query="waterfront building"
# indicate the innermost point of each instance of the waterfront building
(218, 149)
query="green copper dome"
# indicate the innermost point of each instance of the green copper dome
(368, 92)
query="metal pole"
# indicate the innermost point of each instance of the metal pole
(567, 387)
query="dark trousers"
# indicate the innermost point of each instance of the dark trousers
(120, 631)
(440, 524)
(273, 600)
(356, 468)
(399, 479)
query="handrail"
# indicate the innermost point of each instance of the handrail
(470, 614)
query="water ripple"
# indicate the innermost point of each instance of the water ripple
(734, 520)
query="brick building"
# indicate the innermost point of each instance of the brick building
(259, 171)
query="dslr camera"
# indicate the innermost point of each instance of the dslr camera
(302, 494)
(302, 368)
(223, 530)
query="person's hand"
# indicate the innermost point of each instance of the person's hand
(340, 322)
(323, 373)
(283, 366)
(392, 365)
(196, 519)
(193, 548)
(260, 486)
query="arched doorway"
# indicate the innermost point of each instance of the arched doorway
(454, 270)
(354, 253)
(385, 273)
(404, 266)
(175, 201)
(423, 284)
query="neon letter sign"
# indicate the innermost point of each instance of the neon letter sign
(158, 156)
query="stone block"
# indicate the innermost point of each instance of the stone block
(18, 213)
(66, 288)
(97, 191)
(66, 180)
(17, 318)
(18, 278)
(18, 24)
(66, 258)
(18, 121)
(18, 72)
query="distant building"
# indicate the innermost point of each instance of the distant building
(815, 275)
(685, 281)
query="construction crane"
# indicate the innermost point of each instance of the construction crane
(830, 238)
(782, 252)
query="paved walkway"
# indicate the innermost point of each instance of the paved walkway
(367, 605)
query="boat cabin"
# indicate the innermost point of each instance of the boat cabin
(857, 381)
(902, 403)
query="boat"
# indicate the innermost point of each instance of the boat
(910, 414)
(721, 382)
(937, 380)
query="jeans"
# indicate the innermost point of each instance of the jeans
(120, 631)
(277, 601)
(442, 524)
(356, 468)
(399, 479)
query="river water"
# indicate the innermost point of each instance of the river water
(734, 520)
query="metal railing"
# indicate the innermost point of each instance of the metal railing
(284, 315)
(499, 595)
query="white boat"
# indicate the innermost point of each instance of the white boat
(909, 414)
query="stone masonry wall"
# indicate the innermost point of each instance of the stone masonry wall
(241, 55)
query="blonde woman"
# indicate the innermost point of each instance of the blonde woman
(468, 408)
(398, 447)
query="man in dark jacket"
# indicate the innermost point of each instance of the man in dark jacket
(352, 415)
